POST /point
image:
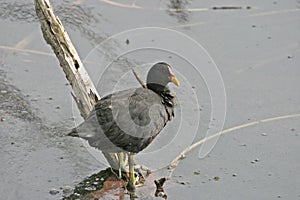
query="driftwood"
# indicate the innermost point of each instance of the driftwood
(85, 93)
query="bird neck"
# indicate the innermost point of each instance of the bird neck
(164, 92)
(157, 88)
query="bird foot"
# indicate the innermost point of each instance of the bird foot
(143, 168)
(130, 187)
(142, 171)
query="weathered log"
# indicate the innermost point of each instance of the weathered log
(85, 93)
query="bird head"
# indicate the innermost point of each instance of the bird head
(159, 76)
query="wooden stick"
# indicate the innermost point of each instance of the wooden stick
(138, 78)
(85, 93)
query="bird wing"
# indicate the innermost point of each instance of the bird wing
(138, 116)
(128, 120)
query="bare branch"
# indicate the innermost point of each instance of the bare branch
(138, 78)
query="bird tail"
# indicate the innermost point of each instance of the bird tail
(73, 133)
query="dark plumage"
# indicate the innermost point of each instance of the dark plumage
(129, 120)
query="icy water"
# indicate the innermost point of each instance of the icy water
(238, 64)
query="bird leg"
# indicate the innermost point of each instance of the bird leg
(121, 164)
(131, 183)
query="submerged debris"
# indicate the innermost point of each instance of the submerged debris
(197, 172)
(270, 174)
(104, 185)
(230, 7)
(159, 188)
(87, 186)
(2, 119)
(182, 182)
(53, 191)
(34, 99)
(67, 191)
(90, 188)
(255, 160)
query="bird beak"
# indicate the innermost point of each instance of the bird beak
(174, 80)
